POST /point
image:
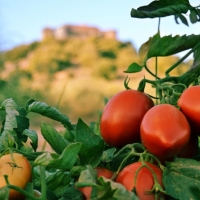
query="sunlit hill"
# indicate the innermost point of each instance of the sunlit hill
(73, 68)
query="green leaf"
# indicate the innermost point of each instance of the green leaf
(133, 68)
(103, 189)
(162, 8)
(182, 18)
(110, 190)
(11, 112)
(87, 178)
(168, 45)
(181, 179)
(14, 124)
(58, 179)
(22, 124)
(72, 193)
(48, 111)
(92, 145)
(64, 161)
(76, 170)
(33, 136)
(193, 16)
(108, 155)
(56, 141)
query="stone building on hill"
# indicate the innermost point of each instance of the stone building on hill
(67, 31)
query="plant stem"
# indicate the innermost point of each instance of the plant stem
(148, 70)
(20, 190)
(43, 182)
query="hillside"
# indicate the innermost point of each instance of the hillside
(74, 74)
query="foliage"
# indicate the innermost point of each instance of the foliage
(80, 148)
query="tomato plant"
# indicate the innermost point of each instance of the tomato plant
(18, 170)
(189, 105)
(132, 133)
(165, 131)
(141, 180)
(121, 117)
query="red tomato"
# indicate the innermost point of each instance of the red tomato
(190, 105)
(101, 172)
(18, 171)
(121, 117)
(144, 179)
(164, 131)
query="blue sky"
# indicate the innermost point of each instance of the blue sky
(22, 21)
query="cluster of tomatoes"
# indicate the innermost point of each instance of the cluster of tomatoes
(131, 117)
(164, 130)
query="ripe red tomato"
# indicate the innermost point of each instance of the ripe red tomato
(164, 131)
(144, 179)
(18, 171)
(101, 172)
(190, 106)
(121, 117)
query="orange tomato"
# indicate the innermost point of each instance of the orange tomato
(18, 169)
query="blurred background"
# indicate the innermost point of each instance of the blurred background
(72, 54)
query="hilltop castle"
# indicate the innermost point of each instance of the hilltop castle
(67, 31)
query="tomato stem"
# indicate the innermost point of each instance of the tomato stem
(43, 182)
(133, 152)
(157, 187)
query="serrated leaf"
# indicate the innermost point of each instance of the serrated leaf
(48, 111)
(56, 141)
(168, 45)
(133, 68)
(181, 179)
(33, 137)
(65, 161)
(92, 144)
(162, 8)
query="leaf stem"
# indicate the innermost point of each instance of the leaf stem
(150, 72)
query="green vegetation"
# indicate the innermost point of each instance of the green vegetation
(73, 72)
